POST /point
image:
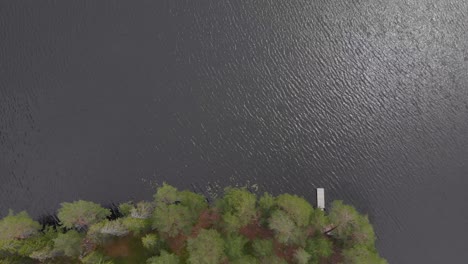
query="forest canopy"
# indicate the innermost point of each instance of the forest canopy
(182, 227)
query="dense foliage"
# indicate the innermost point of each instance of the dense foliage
(181, 227)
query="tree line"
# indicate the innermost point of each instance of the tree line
(182, 227)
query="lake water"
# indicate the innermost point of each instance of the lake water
(368, 99)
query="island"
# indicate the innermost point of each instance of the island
(183, 227)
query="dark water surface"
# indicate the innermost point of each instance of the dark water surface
(368, 99)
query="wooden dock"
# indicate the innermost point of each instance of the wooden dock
(321, 198)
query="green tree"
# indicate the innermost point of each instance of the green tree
(267, 205)
(16, 260)
(262, 247)
(39, 246)
(43, 254)
(297, 208)
(164, 258)
(273, 259)
(234, 246)
(285, 229)
(19, 226)
(81, 214)
(291, 219)
(150, 242)
(143, 210)
(94, 233)
(137, 225)
(194, 202)
(364, 234)
(319, 220)
(96, 257)
(246, 259)
(206, 248)
(69, 243)
(319, 247)
(282, 225)
(361, 254)
(172, 219)
(114, 228)
(301, 256)
(30, 245)
(238, 208)
(351, 228)
(102, 232)
(126, 208)
(166, 194)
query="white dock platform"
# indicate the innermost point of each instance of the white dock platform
(321, 198)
